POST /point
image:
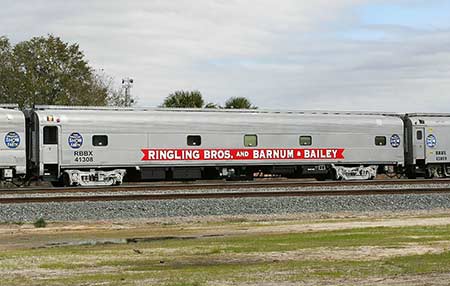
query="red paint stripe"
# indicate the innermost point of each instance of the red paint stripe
(241, 154)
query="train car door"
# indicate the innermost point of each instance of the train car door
(419, 143)
(50, 152)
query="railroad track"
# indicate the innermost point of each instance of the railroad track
(217, 185)
(219, 195)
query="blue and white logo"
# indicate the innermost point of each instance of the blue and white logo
(75, 140)
(12, 140)
(395, 140)
(431, 141)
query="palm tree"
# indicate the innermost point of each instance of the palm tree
(186, 99)
(239, 103)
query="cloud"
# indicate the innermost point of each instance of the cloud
(281, 54)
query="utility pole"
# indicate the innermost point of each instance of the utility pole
(127, 84)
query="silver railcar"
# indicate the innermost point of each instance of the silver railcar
(100, 145)
(428, 148)
(12, 147)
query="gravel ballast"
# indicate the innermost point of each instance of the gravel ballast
(231, 206)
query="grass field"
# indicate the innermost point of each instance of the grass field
(341, 251)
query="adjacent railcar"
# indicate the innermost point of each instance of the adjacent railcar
(12, 147)
(428, 150)
(86, 146)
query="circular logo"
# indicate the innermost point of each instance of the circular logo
(12, 140)
(431, 141)
(395, 140)
(75, 140)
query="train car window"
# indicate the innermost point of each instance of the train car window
(305, 140)
(250, 140)
(380, 140)
(419, 135)
(50, 135)
(194, 140)
(100, 140)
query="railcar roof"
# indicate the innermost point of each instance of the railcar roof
(211, 110)
(9, 106)
(428, 114)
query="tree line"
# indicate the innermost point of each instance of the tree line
(49, 71)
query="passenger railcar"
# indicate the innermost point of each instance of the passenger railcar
(428, 150)
(12, 147)
(86, 146)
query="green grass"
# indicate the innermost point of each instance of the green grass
(235, 259)
(381, 236)
(200, 273)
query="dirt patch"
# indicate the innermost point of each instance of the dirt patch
(366, 253)
(339, 225)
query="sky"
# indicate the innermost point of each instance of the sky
(281, 54)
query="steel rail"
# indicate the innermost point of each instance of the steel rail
(217, 185)
(220, 195)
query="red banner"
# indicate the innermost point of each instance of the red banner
(241, 154)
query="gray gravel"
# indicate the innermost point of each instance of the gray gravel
(207, 207)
